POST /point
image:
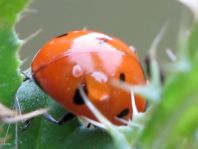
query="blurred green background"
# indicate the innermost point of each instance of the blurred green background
(134, 21)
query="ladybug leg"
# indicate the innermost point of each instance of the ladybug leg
(88, 125)
(27, 75)
(65, 118)
(26, 124)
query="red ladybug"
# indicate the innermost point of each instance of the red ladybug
(91, 60)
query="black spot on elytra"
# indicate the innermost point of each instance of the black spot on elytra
(78, 100)
(62, 35)
(123, 113)
(122, 77)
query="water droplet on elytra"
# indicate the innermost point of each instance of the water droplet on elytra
(104, 97)
(99, 76)
(77, 71)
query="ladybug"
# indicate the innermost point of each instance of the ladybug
(90, 60)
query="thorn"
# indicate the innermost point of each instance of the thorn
(33, 35)
(6, 134)
(5, 112)
(156, 41)
(31, 10)
(24, 117)
(25, 12)
(192, 5)
(24, 61)
(155, 75)
(18, 106)
(134, 107)
(122, 120)
(140, 126)
(171, 55)
(85, 29)
(94, 110)
(133, 49)
(10, 116)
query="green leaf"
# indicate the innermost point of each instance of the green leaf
(43, 134)
(173, 122)
(193, 40)
(9, 44)
(83, 138)
(175, 119)
(40, 133)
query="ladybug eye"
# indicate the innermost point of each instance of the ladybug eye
(62, 35)
(123, 113)
(122, 77)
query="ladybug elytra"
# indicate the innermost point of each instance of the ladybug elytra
(90, 60)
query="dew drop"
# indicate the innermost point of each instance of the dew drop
(99, 76)
(77, 71)
(104, 97)
(51, 42)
